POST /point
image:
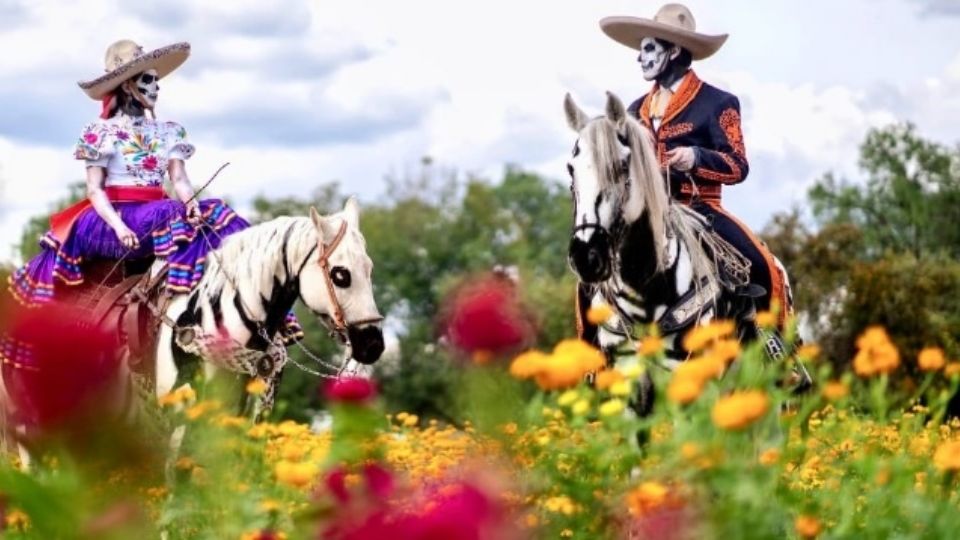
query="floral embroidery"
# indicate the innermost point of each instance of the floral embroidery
(138, 149)
(732, 176)
(730, 123)
(90, 138)
(675, 130)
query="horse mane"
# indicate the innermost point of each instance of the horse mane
(649, 194)
(253, 258)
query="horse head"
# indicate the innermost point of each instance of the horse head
(336, 283)
(614, 179)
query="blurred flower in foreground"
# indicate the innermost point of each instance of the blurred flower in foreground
(740, 409)
(570, 361)
(58, 367)
(947, 456)
(656, 511)
(931, 359)
(807, 526)
(876, 353)
(485, 314)
(350, 390)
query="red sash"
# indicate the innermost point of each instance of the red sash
(62, 222)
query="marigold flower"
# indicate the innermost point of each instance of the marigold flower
(528, 364)
(769, 457)
(599, 314)
(684, 390)
(581, 407)
(726, 350)
(947, 456)
(689, 450)
(809, 352)
(620, 388)
(876, 354)
(611, 407)
(807, 526)
(570, 361)
(256, 386)
(766, 319)
(740, 409)
(951, 369)
(295, 474)
(650, 345)
(701, 336)
(560, 505)
(568, 398)
(931, 359)
(646, 497)
(700, 369)
(607, 378)
(17, 520)
(835, 390)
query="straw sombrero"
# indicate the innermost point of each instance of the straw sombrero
(673, 23)
(125, 58)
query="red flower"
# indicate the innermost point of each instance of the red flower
(90, 138)
(486, 316)
(63, 367)
(378, 482)
(150, 162)
(350, 390)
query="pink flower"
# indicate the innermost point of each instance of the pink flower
(67, 367)
(485, 315)
(150, 163)
(350, 390)
(90, 137)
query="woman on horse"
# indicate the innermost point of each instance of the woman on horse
(127, 154)
(695, 129)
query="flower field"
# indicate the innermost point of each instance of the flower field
(727, 453)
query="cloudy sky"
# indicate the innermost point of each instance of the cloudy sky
(299, 92)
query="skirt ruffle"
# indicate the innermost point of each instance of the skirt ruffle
(164, 232)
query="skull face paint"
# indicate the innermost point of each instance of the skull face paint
(655, 56)
(149, 87)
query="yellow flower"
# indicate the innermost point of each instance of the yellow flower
(510, 429)
(568, 398)
(560, 505)
(876, 354)
(566, 533)
(689, 450)
(295, 474)
(703, 335)
(807, 526)
(700, 369)
(769, 457)
(184, 394)
(611, 407)
(835, 390)
(528, 364)
(947, 456)
(200, 409)
(684, 391)
(646, 497)
(620, 388)
(607, 378)
(411, 420)
(599, 314)
(951, 369)
(570, 361)
(270, 505)
(633, 371)
(726, 350)
(766, 319)
(808, 352)
(256, 386)
(740, 409)
(581, 407)
(931, 359)
(17, 520)
(650, 345)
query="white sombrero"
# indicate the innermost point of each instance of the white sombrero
(125, 58)
(673, 23)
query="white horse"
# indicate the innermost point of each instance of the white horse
(251, 282)
(653, 260)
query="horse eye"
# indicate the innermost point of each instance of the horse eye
(340, 277)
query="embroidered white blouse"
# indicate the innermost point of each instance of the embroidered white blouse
(135, 151)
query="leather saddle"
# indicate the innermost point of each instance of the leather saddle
(123, 298)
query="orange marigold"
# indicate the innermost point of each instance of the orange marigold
(835, 390)
(528, 364)
(646, 497)
(876, 354)
(607, 378)
(566, 367)
(740, 409)
(931, 359)
(951, 369)
(701, 336)
(599, 314)
(684, 391)
(807, 526)
(650, 345)
(947, 456)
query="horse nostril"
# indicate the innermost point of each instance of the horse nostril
(367, 343)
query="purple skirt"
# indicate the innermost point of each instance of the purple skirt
(163, 231)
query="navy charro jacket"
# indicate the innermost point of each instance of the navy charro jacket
(707, 119)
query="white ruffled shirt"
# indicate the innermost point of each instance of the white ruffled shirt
(135, 151)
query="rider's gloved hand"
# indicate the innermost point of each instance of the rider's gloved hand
(682, 158)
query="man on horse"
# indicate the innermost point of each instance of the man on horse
(696, 131)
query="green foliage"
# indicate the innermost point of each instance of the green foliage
(29, 244)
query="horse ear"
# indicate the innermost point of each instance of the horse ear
(351, 210)
(616, 112)
(316, 219)
(576, 118)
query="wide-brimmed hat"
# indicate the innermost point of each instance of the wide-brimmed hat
(673, 23)
(125, 58)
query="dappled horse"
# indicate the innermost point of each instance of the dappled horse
(231, 321)
(651, 259)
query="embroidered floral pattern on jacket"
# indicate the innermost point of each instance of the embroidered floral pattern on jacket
(675, 130)
(733, 176)
(134, 151)
(730, 123)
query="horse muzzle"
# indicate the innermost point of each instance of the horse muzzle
(366, 342)
(591, 259)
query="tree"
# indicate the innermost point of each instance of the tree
(38, 225)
